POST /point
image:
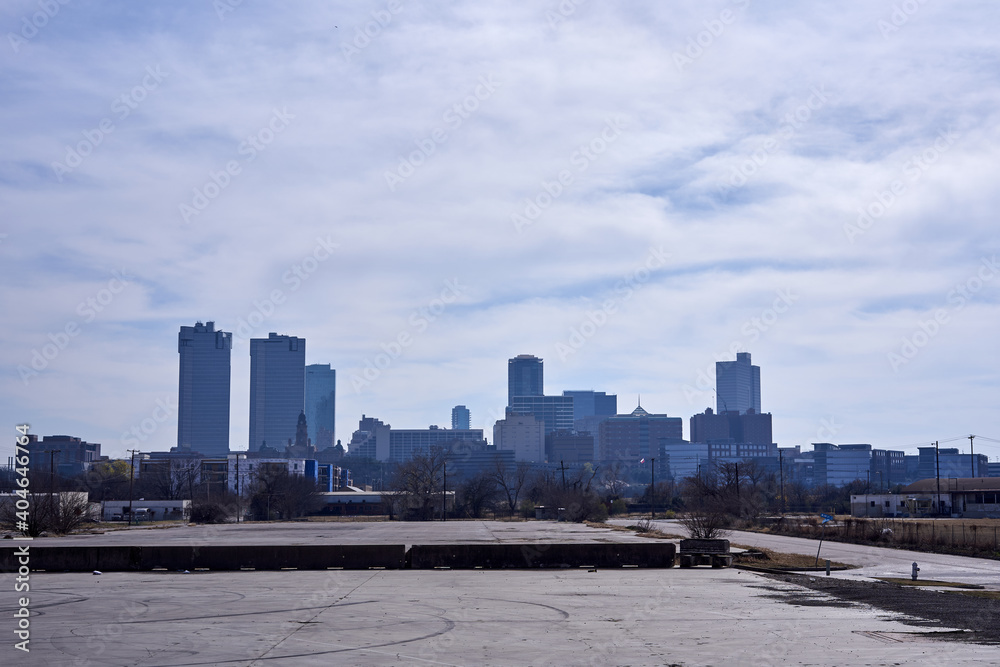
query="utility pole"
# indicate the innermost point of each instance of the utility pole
(937, 469)
(562, 467)
(972, 455)
(444, 493)
(239, 498)
(131, 476)
(652, 489)
(52, 471)
(781, 469)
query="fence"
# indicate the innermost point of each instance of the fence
(952, 533)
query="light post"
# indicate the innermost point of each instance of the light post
(131, 477)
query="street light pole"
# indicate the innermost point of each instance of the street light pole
(52, 471)
(131, 476)
(652, 489)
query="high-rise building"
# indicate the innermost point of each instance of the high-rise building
(556, 412)
(593, 404)
(637, 435)
(203, 389)
(567, 447)
(321, 402)
(747, 428)
(460, 417)
(61, 454)
(405, 442)
(737, 385)
(522, 434)
(524, 377)
(277, 389)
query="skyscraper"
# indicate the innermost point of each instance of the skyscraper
(737, 385)
(460, 417)
(203, 389)
(277, 389)
(321, 401)
(524, 377)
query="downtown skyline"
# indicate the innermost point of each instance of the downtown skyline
(629, 193)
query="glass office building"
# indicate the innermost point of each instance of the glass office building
(321, 402)
(203, 389)
(277, 389)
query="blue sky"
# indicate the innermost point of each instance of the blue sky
(814, 183)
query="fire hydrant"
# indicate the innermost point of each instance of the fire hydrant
(914, 571)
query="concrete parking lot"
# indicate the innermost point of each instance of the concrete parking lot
(609, 617)
(615, 616)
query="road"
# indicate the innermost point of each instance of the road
(872, 561)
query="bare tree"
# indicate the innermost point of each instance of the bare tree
(419, 483)
(477, 494)
(511, 481)
(614, 481)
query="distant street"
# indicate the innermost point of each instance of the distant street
(873, 561)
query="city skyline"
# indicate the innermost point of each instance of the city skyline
(630, 192)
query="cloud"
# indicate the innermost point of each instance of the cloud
(749, 165)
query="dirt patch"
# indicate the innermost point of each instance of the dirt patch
(978, 615)
(758, 556)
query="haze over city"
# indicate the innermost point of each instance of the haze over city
(631, 193)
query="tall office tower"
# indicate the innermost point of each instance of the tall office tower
(277, 389)
(737, 385)
(524, 377)
(321, 401)
(460, 417)
(593, 404)
(203, 389)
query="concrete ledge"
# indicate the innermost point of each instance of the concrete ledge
(524, 556)
(72, 559)
(262, 557)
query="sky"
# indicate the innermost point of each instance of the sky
(630, 191)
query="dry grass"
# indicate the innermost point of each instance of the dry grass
(654, 533)
(781, 561)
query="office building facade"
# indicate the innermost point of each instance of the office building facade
(522, 434)
(524, 377)
(592, 404)
(737, 385)
(203, 389)
(321, 404)
(555, 412)
(460, 417)
(637, 435)
(277, 389)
